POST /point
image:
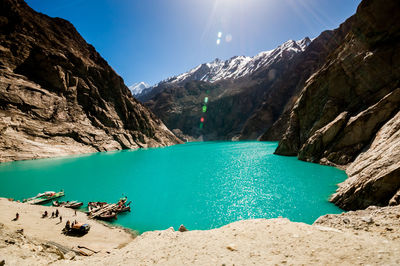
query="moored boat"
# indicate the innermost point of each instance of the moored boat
(123, 207)
(57, 203)
(44, 197)
(68, 204)
(92, 206)
(73, 204)
(107, 216)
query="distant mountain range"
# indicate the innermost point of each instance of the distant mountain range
(239, 66)
(235, 89)
(233, 68)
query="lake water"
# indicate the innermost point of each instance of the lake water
(201, 185)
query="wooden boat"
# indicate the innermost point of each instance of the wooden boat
(57, 203)
(123, 208)
(93, 206)
(73, 204)
(107, 216)
(68, 204)
(44, 197)
(107, 212)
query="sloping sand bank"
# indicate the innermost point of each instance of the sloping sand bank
(364, 237)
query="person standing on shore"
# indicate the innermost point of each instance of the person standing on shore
(16, 217)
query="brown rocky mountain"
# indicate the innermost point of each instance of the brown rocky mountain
(59, 96)
(348, 113)
(235, 89)
(269, 120)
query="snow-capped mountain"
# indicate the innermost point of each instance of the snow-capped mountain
(138, 88)
(239, 66)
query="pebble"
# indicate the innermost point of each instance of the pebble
(367, 219)
(182, 228)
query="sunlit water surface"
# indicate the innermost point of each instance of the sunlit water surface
(201, 185)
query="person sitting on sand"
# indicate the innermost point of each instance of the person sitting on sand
(60, 219)
(44, 214)
(52, 214)
(57, 213)
(16, 217)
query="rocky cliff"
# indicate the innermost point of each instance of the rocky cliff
(59, 96)
(348, 112)
(269, 121)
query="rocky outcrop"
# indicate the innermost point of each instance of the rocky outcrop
(59, 96)
(382, 221)
(270, 120)
(374, 176)
(348, 112)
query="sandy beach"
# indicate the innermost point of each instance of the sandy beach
(370, 237)
(38, 232)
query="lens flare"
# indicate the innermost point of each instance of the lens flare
(218, 41)
(228, 38)
(219, 34)
(202, 120)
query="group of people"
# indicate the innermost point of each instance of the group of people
(69, 225)
(53, 215)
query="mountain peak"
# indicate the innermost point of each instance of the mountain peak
(137, 88)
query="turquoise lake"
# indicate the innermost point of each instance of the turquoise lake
(202, 185)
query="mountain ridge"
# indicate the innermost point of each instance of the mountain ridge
(232, 68)
(231, 100)
(237, 66)
(59, 96)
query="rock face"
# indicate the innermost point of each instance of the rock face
(234, 89)
(348, 112)
(271, 117)
(59, 96)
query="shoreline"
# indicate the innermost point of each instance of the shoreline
(370, 236)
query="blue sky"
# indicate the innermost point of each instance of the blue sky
(150, 40)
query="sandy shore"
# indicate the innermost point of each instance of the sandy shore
(37, 232)
(363, 237)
